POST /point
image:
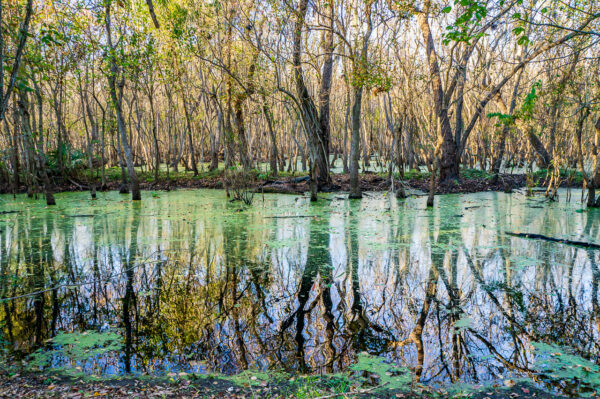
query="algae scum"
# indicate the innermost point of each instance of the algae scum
(188, 282)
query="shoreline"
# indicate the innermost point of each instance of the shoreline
(298, 185)
(251, 385)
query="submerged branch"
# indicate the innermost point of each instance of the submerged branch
(552, 239)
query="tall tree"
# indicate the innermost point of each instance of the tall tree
(116, 96)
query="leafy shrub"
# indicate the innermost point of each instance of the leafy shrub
(72, 160)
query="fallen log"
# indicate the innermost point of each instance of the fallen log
(289, 181)
(81, 186)
(552, 239)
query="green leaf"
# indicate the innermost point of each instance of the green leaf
(523, 40)
(518, 30)
(446, 10)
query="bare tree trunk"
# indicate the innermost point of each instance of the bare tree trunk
(308, 111)
(116, 98)
(497, 162)
(345, 158)
(449, 165)
(190, 139)
(214, 154)
(102, 153)
(238, 120)
(324, 177)
(87, 113)
(400, 192)
(355, 191)
(360, 69)
(154, 135)
(16, 181)
(274, 155)
(544, 157)
(124, 188)
(38, 158)
(592, 179)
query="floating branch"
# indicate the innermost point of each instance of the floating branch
(552, 239)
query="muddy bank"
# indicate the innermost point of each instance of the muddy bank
(375, 182)
(299, 185)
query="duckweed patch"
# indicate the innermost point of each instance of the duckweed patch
(80, 348)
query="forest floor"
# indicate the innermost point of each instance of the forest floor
(470, 181)
(41, 386)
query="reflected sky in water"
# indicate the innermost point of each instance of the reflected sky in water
(192, 282)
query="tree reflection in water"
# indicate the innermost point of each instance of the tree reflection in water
(193, 283)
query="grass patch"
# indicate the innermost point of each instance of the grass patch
(415, 174)
(468, 173)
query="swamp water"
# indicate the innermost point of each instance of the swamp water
(188, 282)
